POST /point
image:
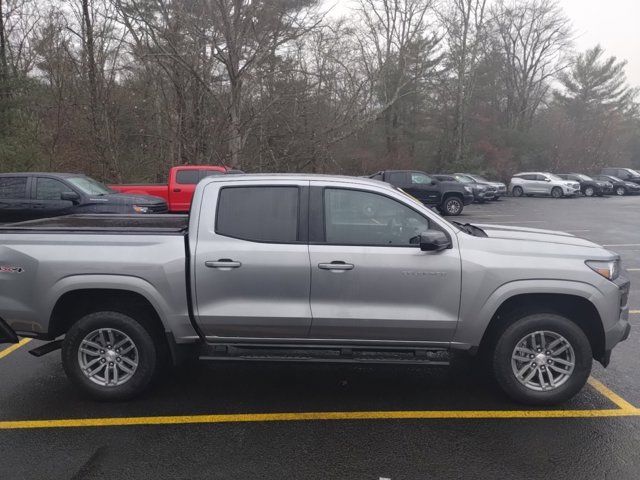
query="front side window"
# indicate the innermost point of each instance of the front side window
(13, 187)
(260, 214)
(50, 189)
(420, 179)
(354, 217)
(463, 179)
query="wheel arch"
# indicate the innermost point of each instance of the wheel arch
(578, 308)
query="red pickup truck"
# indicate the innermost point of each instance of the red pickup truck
(182, 183)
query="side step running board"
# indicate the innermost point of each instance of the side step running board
(358, 354)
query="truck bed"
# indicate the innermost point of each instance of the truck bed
(120, 224)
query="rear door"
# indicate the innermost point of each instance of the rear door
(15, 201)
(368, 282)
(251, 262)
(47, 197)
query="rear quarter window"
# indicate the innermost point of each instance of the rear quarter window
(259, 214)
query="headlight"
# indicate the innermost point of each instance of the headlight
(468, 189)
(140, 209)
(608, 269)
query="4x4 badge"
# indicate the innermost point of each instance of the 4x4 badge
(8, 269)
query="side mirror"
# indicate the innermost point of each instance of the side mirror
(70, 197)
(547, 179)
(432, 241)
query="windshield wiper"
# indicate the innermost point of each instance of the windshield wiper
(471, 229)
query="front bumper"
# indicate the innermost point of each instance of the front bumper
(570, 190)
(7, 335)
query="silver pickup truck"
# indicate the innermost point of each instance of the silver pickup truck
(309, 268)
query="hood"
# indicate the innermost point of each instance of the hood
(535, 235)
(126, 199)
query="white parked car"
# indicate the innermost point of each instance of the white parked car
(542, 183)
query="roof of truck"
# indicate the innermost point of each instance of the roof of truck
(293, 176)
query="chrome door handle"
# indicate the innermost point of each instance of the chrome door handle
(223, 263)
(336, 265)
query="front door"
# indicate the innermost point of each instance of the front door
(251, 262)
(368, 281)
(48, 198)
(423, 187)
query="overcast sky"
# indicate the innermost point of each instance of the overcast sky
(615, 24)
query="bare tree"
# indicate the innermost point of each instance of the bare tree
(465, 25)
(533, 37)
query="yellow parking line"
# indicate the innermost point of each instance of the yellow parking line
(634, 311)
(14, 347)
(315, 416)
(612, 396)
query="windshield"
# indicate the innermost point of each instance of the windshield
(463, 179)
(479, 178)
(584, 178)
(89, 186)
(553, 177)
(633, 172)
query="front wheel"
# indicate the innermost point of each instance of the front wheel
(452, 206)
(542, 359)
(110, 356)
(620, 191)
(556, 192)
(589, 191)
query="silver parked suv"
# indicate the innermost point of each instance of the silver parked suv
(542, 183)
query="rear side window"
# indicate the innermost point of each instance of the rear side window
(260, 214)
(188, 177)
(50, 189)
(397, 178)
(13, 187)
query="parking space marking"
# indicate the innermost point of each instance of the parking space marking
(634, 312)
(611, 395)
(625, 410)
(622, 245)
(14, 347)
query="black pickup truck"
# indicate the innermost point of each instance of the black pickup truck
(28, 196)
(448, 197)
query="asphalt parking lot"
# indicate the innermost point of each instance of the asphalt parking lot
(312, 421)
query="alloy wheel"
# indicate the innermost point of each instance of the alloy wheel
(108, 357)
(543, 360)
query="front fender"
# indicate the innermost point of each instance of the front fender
(475, 315)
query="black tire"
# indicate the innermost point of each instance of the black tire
(517, 191)
(621, 191)
(149, 355)
(556, 192)
(452, 206)
(520, 328)
(589, 192)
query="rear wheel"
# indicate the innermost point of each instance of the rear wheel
(620, 191)
(542, 359)
(517, 191)
(556, 192)
(589, 191)
(452, 206)
(110, 356)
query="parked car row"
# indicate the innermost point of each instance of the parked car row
(570, 184)
(447, 193)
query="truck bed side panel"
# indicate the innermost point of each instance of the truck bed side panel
(38, 268)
